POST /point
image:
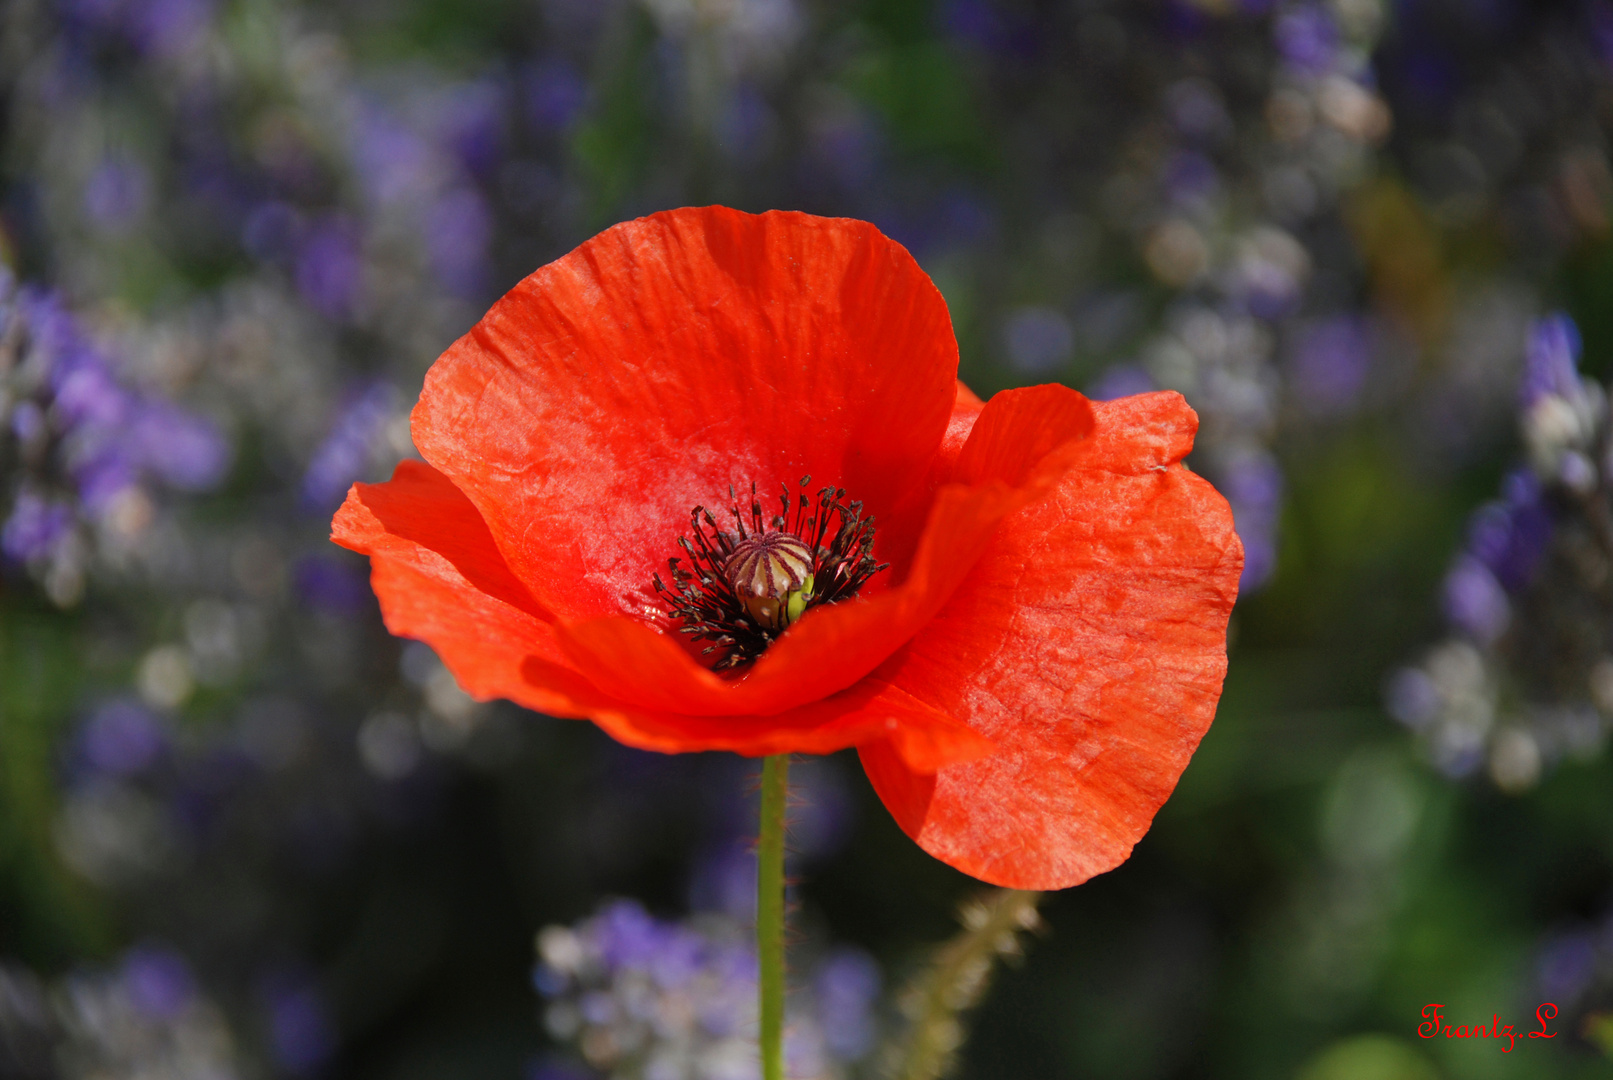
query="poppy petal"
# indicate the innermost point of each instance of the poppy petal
(440, 579)
(669, 359)
(1021, 443)
(1016, 432)
(905, 792)
(923, 738)
(421, 508)
(901, 527)
(1089, 643)
(966, 400)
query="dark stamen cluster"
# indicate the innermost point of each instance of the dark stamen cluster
(702, 596)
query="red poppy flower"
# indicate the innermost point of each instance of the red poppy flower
(1024, 671)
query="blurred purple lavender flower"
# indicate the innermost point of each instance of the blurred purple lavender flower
(330, 268)
(122, 738)
(1268, 273)
(1475, 602)
(86, 393)
(847, 985)
(1197, 110)
(847, 144)
(545, 1069)
(471, 124)
(271, 230)
(103, 475)
(458, 233)
(1573, 968)
(393, 161)
(1189, 178)
(554, 95)
(154, 27)
(1600, 19)
(349, 450)
(1567, 964)
(34, 527)
(1551, 361)
(649, 999)
(28, 423)
(168, 27)
(97, 14)
(1243, 270)
(1122, 380)
(116, 194)
(576, 20)
(331, 585)
(1253, 484)
(1185, 20)
(301, 1035)
(724, 880)
(1038, 339)
(627, 937)
(183, 450)
(1330, 363)
(1509, 537)
(1526, 677)
(966, 219)
(745, 125)
(975, 22)
(1412, 698)
(159, 981)
(145, 1017)
(1307, 37)
(88, 444)
(1562, 412)
(214, 192)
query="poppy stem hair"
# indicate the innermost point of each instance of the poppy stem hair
(770, 913)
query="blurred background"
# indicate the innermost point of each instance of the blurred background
(246, 834)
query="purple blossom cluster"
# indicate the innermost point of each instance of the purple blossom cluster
(146, 802)
(357, 439)
(1224, 233)
(1573, 969)
(1506, 540)
(144, 1016)
(1527, 675)
(84, 450)
(647, 999)
(157, 28)
(290, 237)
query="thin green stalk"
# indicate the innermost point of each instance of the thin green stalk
(770, 912)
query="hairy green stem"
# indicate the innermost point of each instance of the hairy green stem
(770, 913)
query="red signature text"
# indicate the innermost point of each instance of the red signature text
(1434, 1025)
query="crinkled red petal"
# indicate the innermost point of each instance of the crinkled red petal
(440, 579)
(1021, 443)
(1089, 643)
(921, 737)
(966, 400)
(671, 358)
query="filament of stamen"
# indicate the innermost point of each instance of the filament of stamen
(738, 590)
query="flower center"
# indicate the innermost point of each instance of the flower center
(739, 590)
(771, 573)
